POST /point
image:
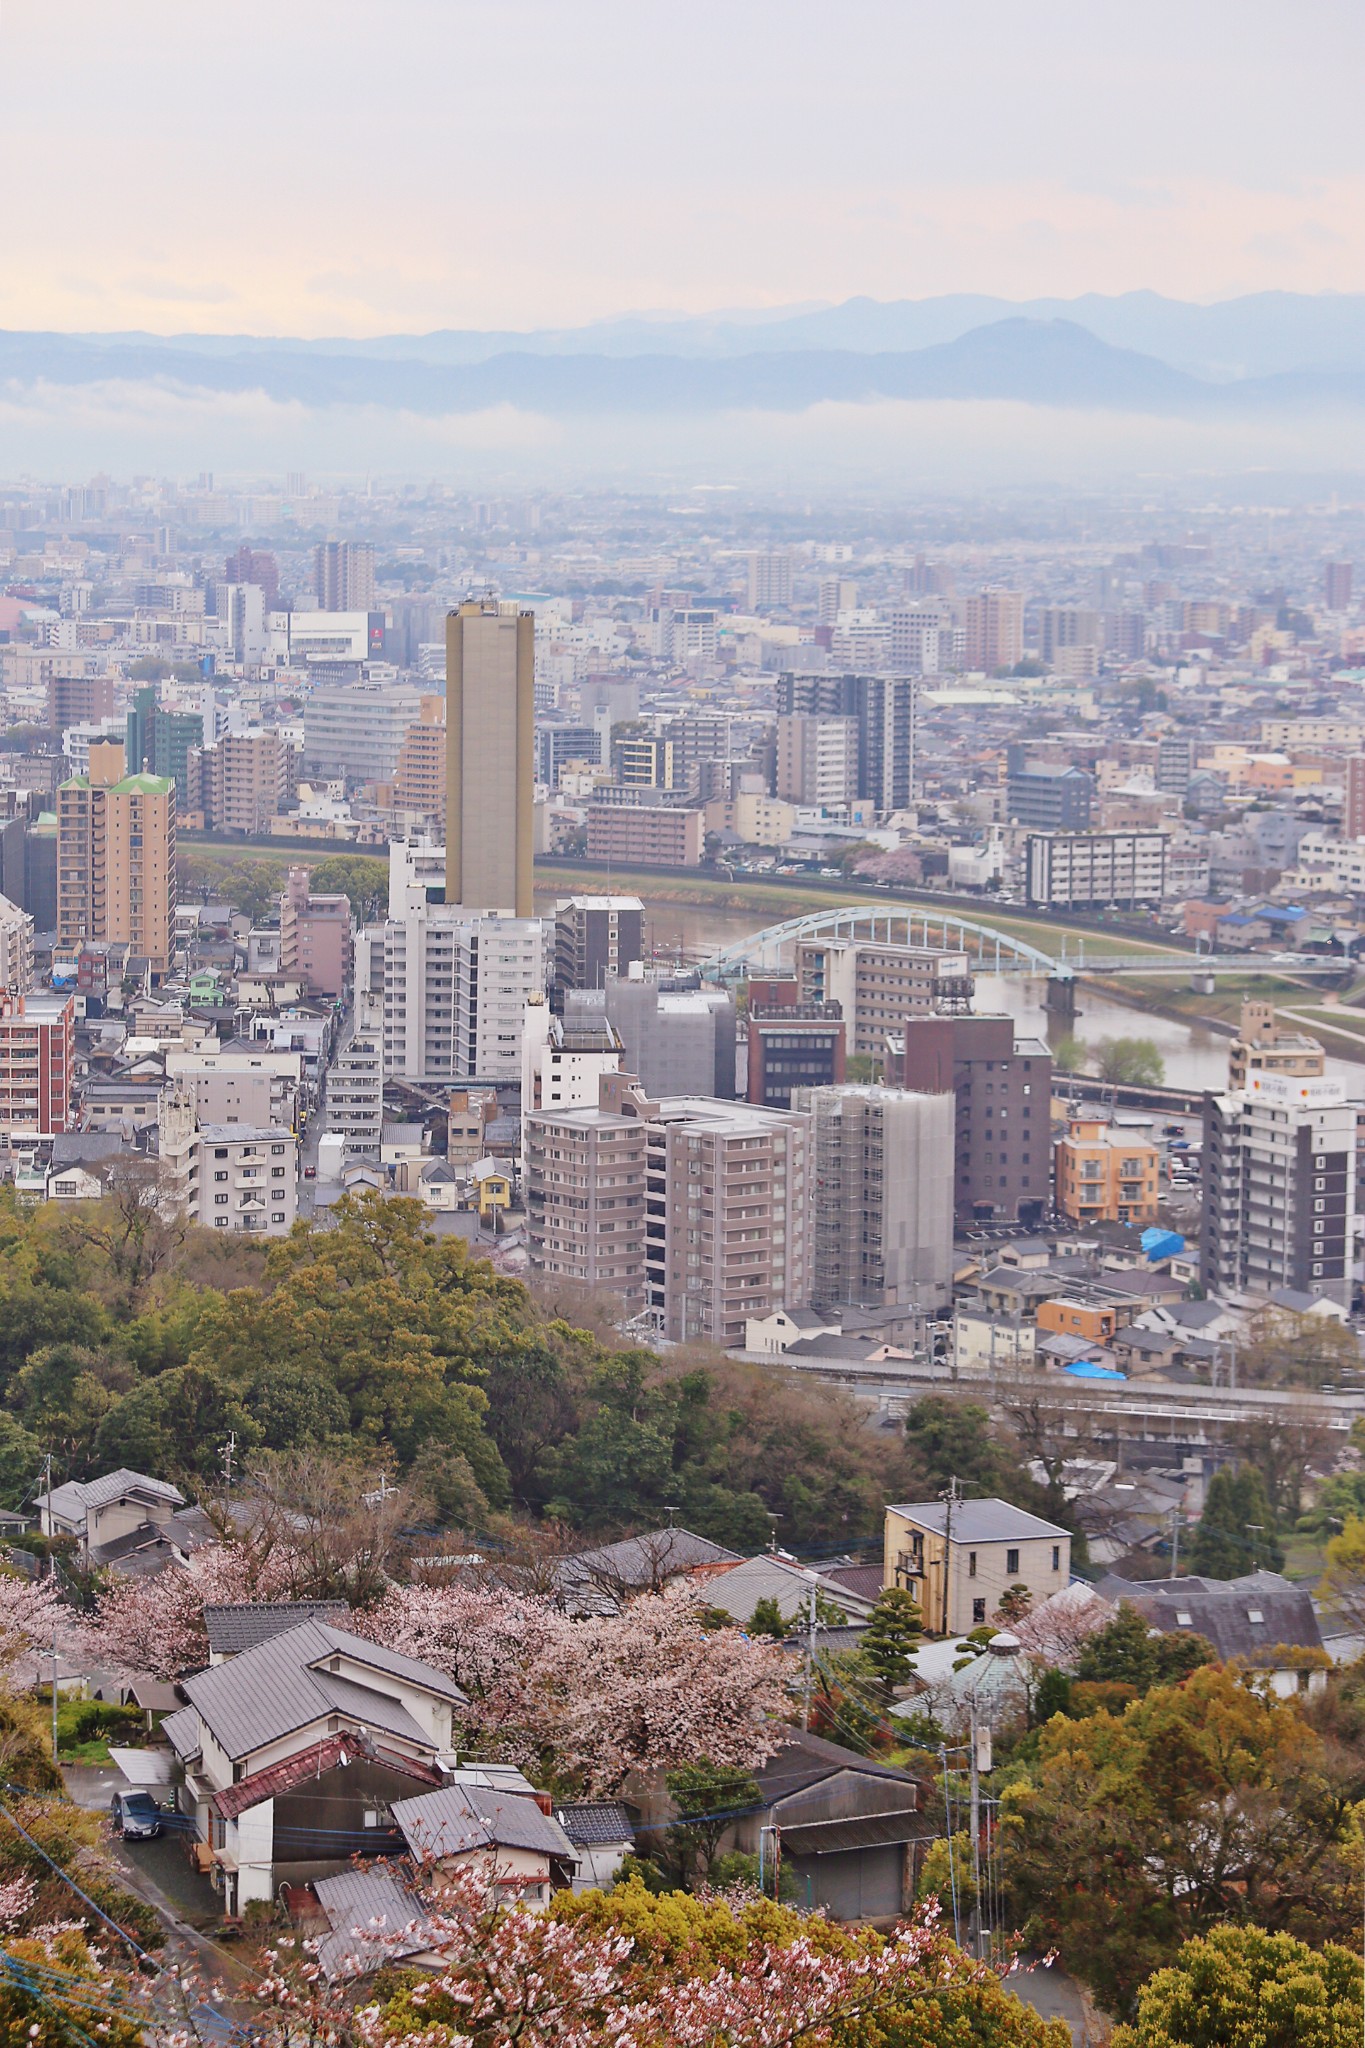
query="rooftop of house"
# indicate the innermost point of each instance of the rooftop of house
(374, 1920)
(978, 1521)
(75, 1497)
(1239, 1617)
(240, 1625)
(281, 1685)
(459, 1818)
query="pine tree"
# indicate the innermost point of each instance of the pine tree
(1236, 1532)
(892, 1635)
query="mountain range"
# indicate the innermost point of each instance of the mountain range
(1136, 353)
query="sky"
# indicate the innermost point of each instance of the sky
(348, 167)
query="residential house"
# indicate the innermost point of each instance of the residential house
(767, 1577)
(296, 1752)
(240, 1625)
(959, 1558)
(1259, 1620)
(602, 1836)
(125, 1521)
(600, 1581)
(373, 1919)
(496, 1828)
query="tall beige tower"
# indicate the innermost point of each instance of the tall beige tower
(116, 858)
(490, 758)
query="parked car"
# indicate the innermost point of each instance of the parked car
(136, 1816)
(310, 1173)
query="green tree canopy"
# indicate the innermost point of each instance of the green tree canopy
(1241, 1987)
(1236, 1531)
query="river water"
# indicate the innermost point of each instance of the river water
(1194, 1057)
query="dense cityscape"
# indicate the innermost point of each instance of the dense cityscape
(682, 1025)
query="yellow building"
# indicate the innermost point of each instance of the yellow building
(116, 859)
(419, 780)
(1263, 1046)
(959, 1558)
(1106, 1175)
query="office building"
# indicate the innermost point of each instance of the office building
(597, 938)
(1280, 1189)
(315, 937)
(817, 761)
(881, 1165)
(1046, 799)
(355, 1095)
(557, 745)
(1337, 578)
(1106, 1173)
(1096, 870)
(239, 784)
(563, 1059)
(878, 984)
(770, 580)
(37, 1064)
(354, 732)
(995, 630)
(116, 860)
(419, 779)
(1002, 1145)
(694, 1211)
(490, 764)
(653, 835)
(793, 1045)
(343, 576)
(332, 646)
(924, 640)
(1264, 1045)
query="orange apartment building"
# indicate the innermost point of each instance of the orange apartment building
(1106, 1175)
(116, 859)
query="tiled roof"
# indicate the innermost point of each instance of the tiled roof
(309, 1763)
(240, 1625)
(595, 1824)
(374, 1920)
(459, 1818)
(97, 1493)
(978, 1521)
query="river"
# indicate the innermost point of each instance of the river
(1194, 1057)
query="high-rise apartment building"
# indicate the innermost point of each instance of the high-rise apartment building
(355, 1095)
(452, 987)
(770, 580)
(490, 762)
(116, 859)
(642, 761)
(882, 1174)
(1063, 626)
(793, 1045)
(1280, 1188)
(1353, 809)
(159, 740)
(1044, 799)
(885, 708)
(697, 1211)
(315, 936)
(16, 948)
(563, 1059)
(995, 630)
(597, 938)
(255, 566)
(81, 698)
(817, 760)
(239, 783)
(836, 594)
(1003, 1088)
(1337, 579)
(343, 576)
(355, 731)
(37, 1064)
(419, 779)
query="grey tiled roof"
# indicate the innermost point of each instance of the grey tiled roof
(181, 1730)
(241, 1625)
(1222, 1610)
(979, 1521)
(77, 1494)
(638, 1562)
(459, 1818)
(374, 1919)
(595, 1823)
(273, 1689)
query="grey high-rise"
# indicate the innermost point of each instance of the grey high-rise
(490, 756)
(882, 1166)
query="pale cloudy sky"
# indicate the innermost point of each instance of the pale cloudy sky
(364, 166)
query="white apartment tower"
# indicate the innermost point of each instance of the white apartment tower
(1280, 1188)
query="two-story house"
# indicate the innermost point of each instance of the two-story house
(959, 1558)
(487, 1821)
(297, 1750)
(125, 1521)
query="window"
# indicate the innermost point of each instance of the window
(1012, 1562)
(1056, 1557)
(971, 1564)
(978, 1613)
(221, 1201)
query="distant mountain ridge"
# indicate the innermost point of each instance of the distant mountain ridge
(1264, 334)
(1046, 361)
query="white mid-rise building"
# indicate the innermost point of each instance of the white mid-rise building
(1280, 1188)
(237, 1177)
(563, 1059)
(452, 987)
(355, 1095)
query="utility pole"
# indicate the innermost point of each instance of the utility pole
(976, 1837)
(950, 1496)
(811, 1583)
(1175, 1542)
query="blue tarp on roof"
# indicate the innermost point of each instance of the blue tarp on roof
(1090, 1369)
(1162, 1244)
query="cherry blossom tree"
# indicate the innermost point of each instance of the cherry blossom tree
(29, 1611)
(156, 1626)
(1054, 1634)
(598, 1698)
